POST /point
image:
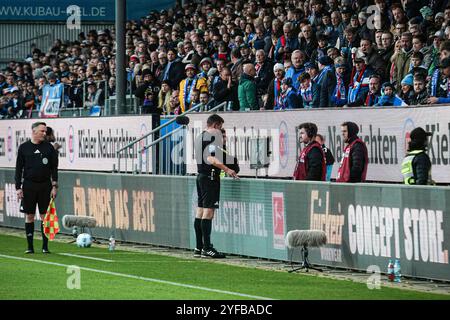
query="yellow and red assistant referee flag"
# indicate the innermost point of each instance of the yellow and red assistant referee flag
(51, 225)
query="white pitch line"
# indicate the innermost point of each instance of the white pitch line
(141, 278)
(84, 257)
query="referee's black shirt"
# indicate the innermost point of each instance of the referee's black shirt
(207, 145)
(36, 162)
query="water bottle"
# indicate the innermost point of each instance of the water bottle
(112, 243)
(390, 271)
(397, 271)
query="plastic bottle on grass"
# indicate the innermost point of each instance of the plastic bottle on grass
(397, 271)
(390, 271)
(112, 243)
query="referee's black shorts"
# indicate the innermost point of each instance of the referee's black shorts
(208, 191)
(35, 193)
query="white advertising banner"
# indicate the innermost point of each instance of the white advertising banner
(384, 130)
(87, 143)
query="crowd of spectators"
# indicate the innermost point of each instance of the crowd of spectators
(256, 54)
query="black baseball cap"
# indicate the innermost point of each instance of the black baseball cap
(419, 134)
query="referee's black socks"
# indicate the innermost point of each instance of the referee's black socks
(44, 238)
(198, 233)
(206, 231)
(29, 231)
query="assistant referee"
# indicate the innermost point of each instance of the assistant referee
(36, 179)
(209, 157)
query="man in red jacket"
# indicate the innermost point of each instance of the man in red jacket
(311, 162)
(353, 167)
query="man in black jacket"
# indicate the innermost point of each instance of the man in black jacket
(36, 180)
(224, 89)
(416, 167)
(174, 70)
(264, 73)
(150, 85)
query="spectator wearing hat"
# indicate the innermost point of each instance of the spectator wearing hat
(95, 96)
(416, 166)
(297, 67)
(205, 66)
(340, 93)
(309, 91)
(437, 38)
(212, 75)
(150, 84)
(312, 69)
(420, 96)
(131, 73)
(247, 89)
(346, 12)
(359, 83)
(191, 82)
(440, 93)
(15, 107)
(407, 90)
(52, 78)
(428, 18)
(326, 81)
(388, 97)
(288, 96)
(274, 89)
(439, 19)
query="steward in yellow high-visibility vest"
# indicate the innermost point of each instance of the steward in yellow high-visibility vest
(416, 166)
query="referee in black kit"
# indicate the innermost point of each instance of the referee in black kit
(209, 155)
(36, 179)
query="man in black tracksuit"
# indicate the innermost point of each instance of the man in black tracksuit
(36, 179)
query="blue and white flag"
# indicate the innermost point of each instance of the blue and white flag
(51, 100)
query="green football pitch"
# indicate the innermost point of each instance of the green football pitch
(74, 273)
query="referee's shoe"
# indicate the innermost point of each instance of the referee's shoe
(212, 253)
